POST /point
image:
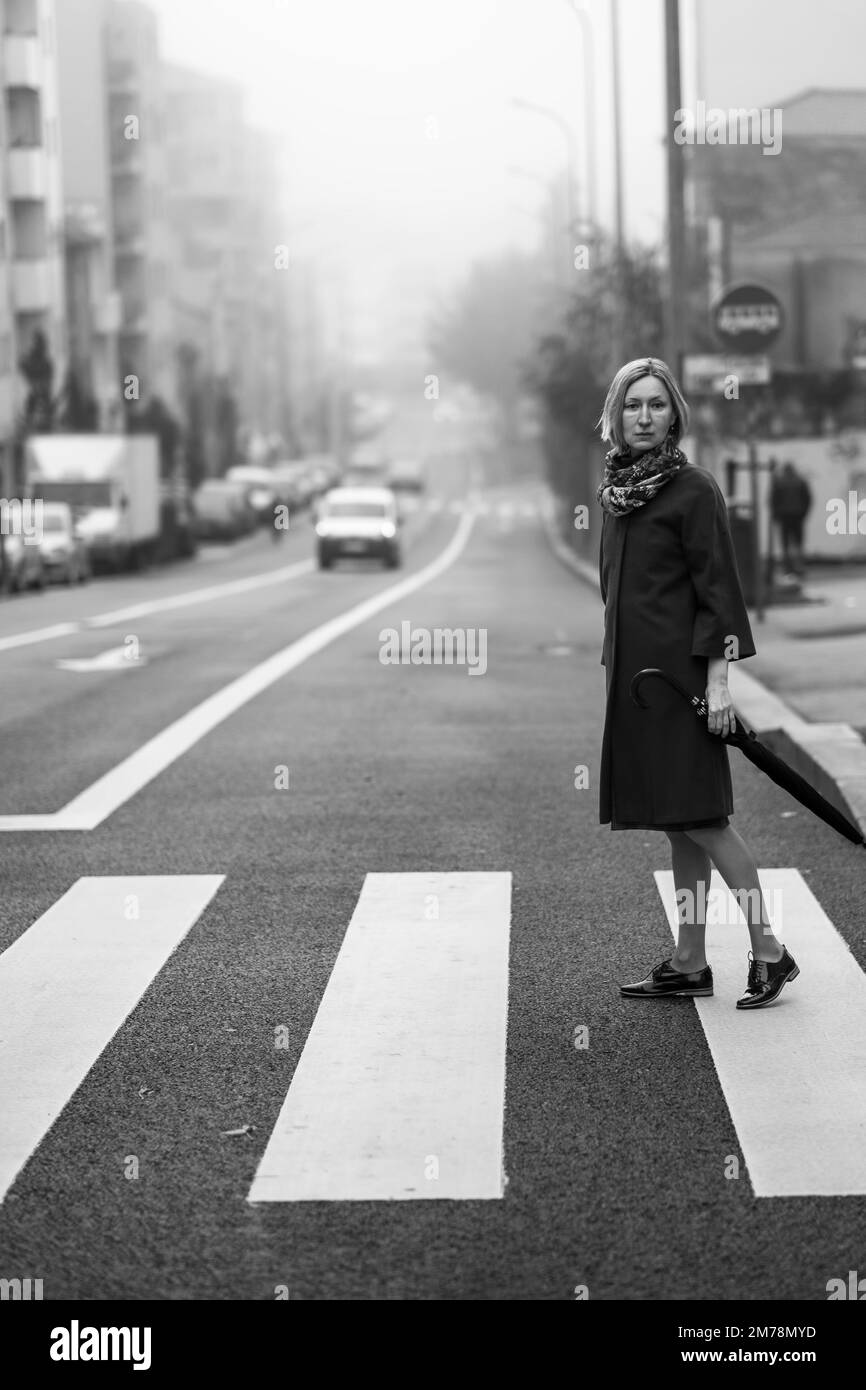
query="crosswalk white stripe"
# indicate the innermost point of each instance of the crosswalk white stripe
(793, 1072)
(399, 1092)
(69, 982)
(103, 797)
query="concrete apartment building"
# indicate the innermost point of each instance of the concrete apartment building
(32, 297)
(204, 180)
(93, 303)
(143, 247)
(231, 302)
(118, 244)
(172, 217)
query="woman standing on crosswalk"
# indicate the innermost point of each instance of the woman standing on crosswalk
(673, 600)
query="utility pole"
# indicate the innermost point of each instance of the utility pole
(619, 336)
(675, 325)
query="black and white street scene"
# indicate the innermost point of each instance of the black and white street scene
(433, 648)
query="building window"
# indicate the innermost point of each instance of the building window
(29, 229)
(21, 17)
(23, 117)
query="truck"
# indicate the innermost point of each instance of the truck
(122, 508)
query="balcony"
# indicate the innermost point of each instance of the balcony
(26, 173)
(31, 286)
(22, 60)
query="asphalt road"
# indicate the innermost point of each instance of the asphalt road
(614, 1154)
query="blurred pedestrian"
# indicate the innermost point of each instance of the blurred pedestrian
(790, 503)
(673, 600)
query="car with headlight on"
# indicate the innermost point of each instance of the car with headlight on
(358, 522)
(64, 554)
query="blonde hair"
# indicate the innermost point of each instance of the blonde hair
(611, 416)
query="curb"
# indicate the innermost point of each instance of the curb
(832, 757)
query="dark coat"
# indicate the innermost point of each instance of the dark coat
(790, 497)
(672, 599)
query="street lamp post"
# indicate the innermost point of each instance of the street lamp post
(589, 112)
(568, 136)
(559, 272)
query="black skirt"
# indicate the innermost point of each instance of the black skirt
(717, 823)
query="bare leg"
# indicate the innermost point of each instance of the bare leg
(692, 868)
(733, 859)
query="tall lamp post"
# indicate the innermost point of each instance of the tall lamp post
(590, 115)
(559, 272)
(568, 136)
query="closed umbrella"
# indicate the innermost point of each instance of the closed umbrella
(779, 771)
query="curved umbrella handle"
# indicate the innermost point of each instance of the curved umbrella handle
(698, 704)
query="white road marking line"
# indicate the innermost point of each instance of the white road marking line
(213, 591)
(103, 797)
(399, 1093)
(792, 1073)
(158, 605)
(38, 634)
(70, 981)
(115, 659)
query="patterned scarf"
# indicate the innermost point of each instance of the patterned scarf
(631, 480)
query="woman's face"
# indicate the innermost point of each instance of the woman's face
(647, 414)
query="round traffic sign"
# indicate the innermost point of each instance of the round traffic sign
(747, 318)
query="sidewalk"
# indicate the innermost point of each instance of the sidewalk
(804, 693)
(813, 654)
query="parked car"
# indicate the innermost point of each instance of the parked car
(261, 490)
(64, 554)
(23, 566)
(406, 475)
(222, 510)
(293, 481)
(359, 521)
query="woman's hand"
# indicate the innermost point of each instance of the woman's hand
(720, 709)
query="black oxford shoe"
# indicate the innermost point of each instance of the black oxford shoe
(767, 979)
(664, 980)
